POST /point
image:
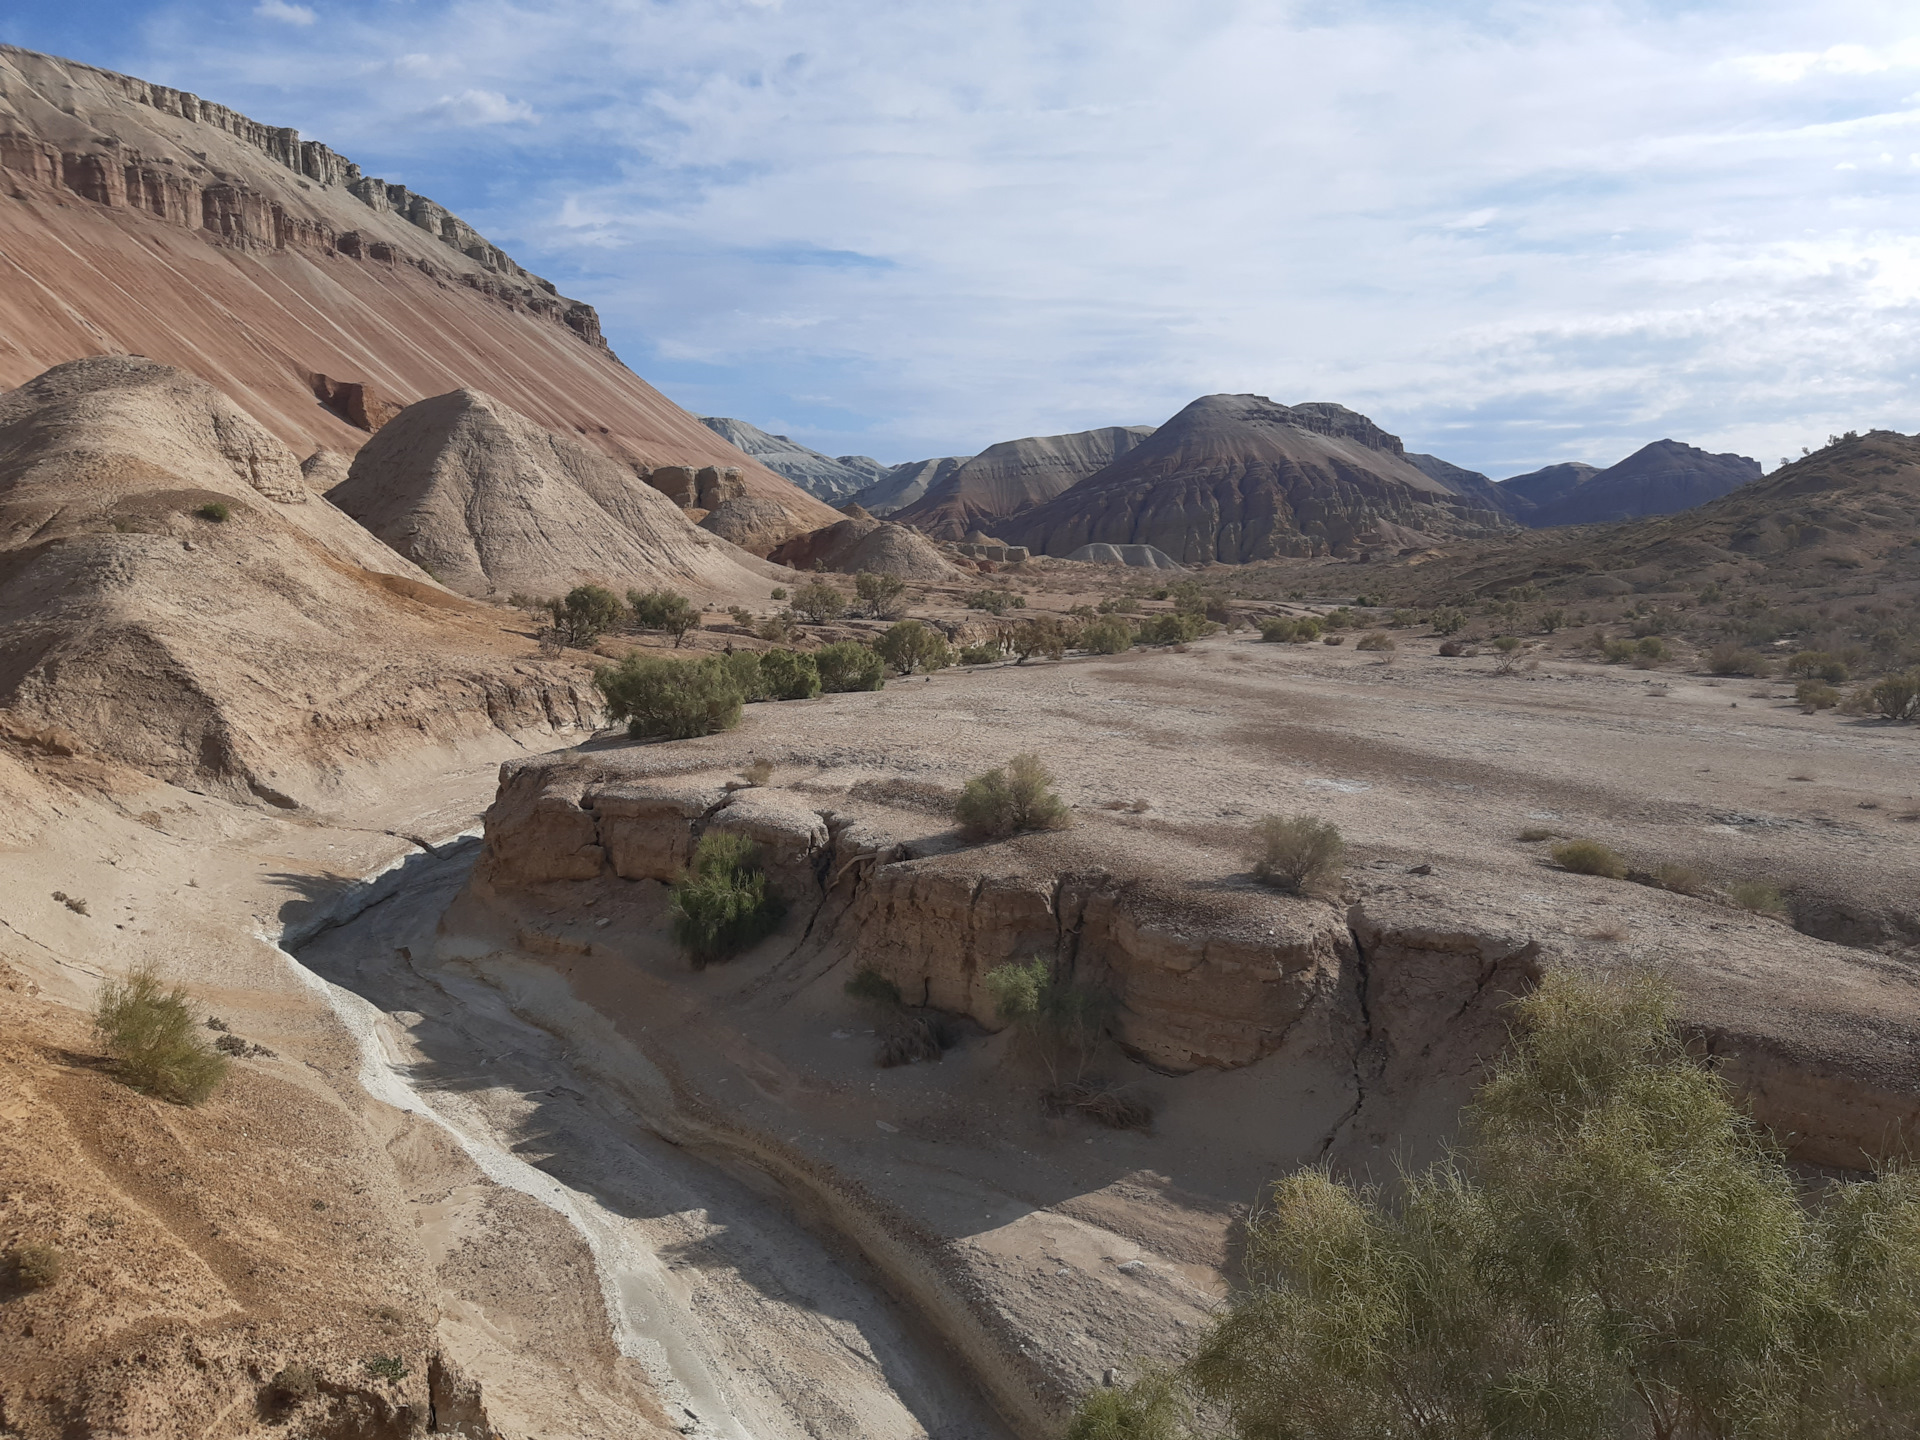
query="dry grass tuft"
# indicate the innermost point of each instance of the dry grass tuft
(1297, 852)
(153, 1039)
(1589, 857)
(1104, 1104)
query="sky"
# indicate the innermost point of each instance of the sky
(1511, 233)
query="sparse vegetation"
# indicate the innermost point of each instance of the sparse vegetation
(1680, 878)
(757, 772)
(1009, 800)
(1043, 635)
(1108, 636)
(662, 699)
(391, 1368)
(1297, 852)
(911, 645)
(779, 592)
(1119, 605)
(1649, 651)
(778, 629)
(996, 602)
(870, 987)
(1508, 649)
(214, 510)
(722, 904)
(1177, 628)
(987, 652)
(1375, 640)
(1897, 697)
(1448, 620)
(789, 675)
(1760, 897)
(881, 596)
(585, 614)
(1533, 834)
(1589, 857)
(1737, 660)
(1285, 630)
(155, 1044)
(1814, 695)
(666, 610)
(35, 1264)
(1063, 1023)
(848, 665)
(1818, 665)
(819, 602)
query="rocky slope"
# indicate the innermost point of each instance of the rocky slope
(1234, 478)
(1471, 484)
(173, 596)
(903, 485)
(135, 218)
(1014, 476)
(1658, 479)
(490, 503)
(822, 476)
(1548, 485)
(861, 542)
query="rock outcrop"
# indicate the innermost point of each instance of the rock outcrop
(831, 480)
(857, 544)
(173, 596)
(1471, 485)
(488, 502)
(1234, 478)
(1014, 476)
(1663, 478)
(1142, 557)
(135, 218)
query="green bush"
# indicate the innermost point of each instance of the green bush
(663, 699)
(722, 904)
(1614, 652)
(1552, 620)
(819, 602)
(779, 592)
(587, 613)
(1818, 665)
(214, 510)
(36, 1264)
(666, 610)
(1759, 896)
(909, 646)
(1448, 620)
(1589, 857)
(1376, 640)
(743, 668)
(1297, 852)
(152, 1037)
(1815, 695)
(1612, 1251)
(1649, 651)
(789, 675)
(1043, 635)
(1286, 630)
(1121, 605)
(1108, 636)
(1175, 629)
(987, 652)
(879, 595)
(1007, 801)
(996, 602)
(848, 665)
(1150, 1408)
(1897, 697)
(1737, 660)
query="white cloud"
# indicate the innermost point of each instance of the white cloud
(1524, 231)
(282, 11)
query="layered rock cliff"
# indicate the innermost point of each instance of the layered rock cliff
(137, 218)
(1234, 478)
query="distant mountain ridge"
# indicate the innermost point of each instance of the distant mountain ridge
(1663, 478)
(1012, 477)
(834, 480)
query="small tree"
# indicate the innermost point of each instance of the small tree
(1007, 801)
(849, 665)
(153, 1039)
(671, 699)
(666, 610)
(587, 613)
(1042, 635)
(910, 646)
(1898, 696)
(1509, 648)
(881, 596)
(1108, 636)
(819, 602)
(1297, 852)
(1449, 620)
(722, 904)
(789, 675)
(1063, 1023)
(743, 666)
(1175, 629)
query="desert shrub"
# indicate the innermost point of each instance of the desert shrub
(743, 667)
(1448, 620)
(870, 987)
(722, 904)
(1535, 833)
(987, 652)
(1649, 651)
(35, 1264)
(741, 616)
(585, 614)
(757, 772)
(153, 1039)
(1333, 639)
(1174, 629)
(666, 610)
(1154, 1407)
(1006, 801)
(879, 595)
(910, 1039)
(1341, 618)
(214, 510)
(1616, 652)
(789, 675)
(1107, 636)
(1452, 648)
(778, 629)
(1042, 635)
(1297, 852)
(1285, 630)
(1818, 665)
(391, 1368)
(1733, 659)
(1120, 605)
(1759, 896)
(1681, 879)
(1613, 1251)
(1508, 647)
(849, 665)
(1552, 620)
(671, 699)
(1589, 857)
(1189, 597)
(909, 646)
(819, 602)
(996, 602)
(1375, 640)
(1814, 695)
(1063, 1023)
(1897, 697)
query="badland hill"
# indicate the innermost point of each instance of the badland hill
(822, 476)
(1013, 477)
(1658, 479)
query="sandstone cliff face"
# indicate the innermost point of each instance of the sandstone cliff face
(1014, 476)
(134, 218)
(1234, 478)
(247, 654)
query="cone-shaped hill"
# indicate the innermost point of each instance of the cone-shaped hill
(174, 598)
(1663, 478)
(1014, 476)
(1234, 478)
(490, 503)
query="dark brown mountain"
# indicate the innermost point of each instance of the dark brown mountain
(1014, 476)
(1663, 478)
(1547, 485)
(1235, 478)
